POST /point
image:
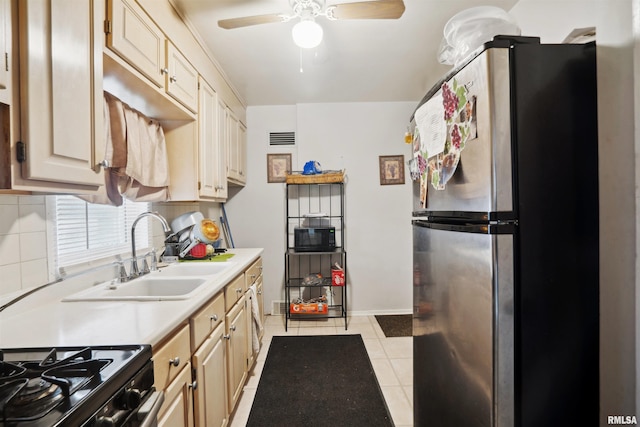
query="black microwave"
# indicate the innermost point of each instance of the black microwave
(314, 239)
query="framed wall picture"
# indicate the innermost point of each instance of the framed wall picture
(277, 167)
(391, 170)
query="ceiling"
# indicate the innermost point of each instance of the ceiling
(357, 61)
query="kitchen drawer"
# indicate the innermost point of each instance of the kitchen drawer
(234, 291)
(171, 357)
(253, 272)
(206, 320)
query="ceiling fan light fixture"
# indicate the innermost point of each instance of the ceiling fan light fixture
(307, 34)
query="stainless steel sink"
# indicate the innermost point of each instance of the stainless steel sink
(146, 288)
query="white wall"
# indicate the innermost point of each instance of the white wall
(552, 20)
(378, 229)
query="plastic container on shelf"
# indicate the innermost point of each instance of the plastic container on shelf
(468, 30)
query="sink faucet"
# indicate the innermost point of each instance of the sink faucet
(165, 226)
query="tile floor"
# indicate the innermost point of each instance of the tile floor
(392, 360)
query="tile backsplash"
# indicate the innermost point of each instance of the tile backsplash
(23, 242)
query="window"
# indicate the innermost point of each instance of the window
(84, 232)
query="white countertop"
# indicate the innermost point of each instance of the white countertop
(43, 320)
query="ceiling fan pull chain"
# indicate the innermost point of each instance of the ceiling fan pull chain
(301, 68)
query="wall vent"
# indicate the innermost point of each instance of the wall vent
(282, 138)
(278, 308)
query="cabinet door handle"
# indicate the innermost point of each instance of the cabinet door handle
(226, 337)
(232, 328)
(173, 79)
(239, 290)
(175, 361)
(193, 385)
(259, 292)
(214, 318)
(164, 71)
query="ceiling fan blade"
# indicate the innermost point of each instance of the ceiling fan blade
(376, 9)
(249, 20)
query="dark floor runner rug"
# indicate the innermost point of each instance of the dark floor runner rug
(324, 380)
(396, 325)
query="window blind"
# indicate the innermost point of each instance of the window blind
(85, 232)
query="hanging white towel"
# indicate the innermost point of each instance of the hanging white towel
(146, 175)
(135, 155)
(256, 323)
(115, 153)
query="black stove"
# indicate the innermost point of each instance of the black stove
(74, 386)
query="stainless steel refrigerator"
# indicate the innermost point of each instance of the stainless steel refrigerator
(505, 240)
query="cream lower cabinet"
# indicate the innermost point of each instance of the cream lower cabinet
(253, 276)
(260, 296)
(210, 364)
(177, 409)
(203, 366)
(172, 373)
(210, 395)
(237, 363)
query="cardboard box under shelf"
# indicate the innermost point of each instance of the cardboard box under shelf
(309, 308)
(327, 177)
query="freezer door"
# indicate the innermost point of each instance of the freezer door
(462, 327)
(482, 180)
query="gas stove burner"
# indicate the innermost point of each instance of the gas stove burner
(70, 386)
(43, 384)
(32, 399)
(35, 389)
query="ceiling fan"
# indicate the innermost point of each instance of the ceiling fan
(307, 33)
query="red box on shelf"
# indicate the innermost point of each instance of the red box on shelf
(310, 308)
(337, 277)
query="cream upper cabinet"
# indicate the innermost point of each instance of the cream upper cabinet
(5, 47)
(236, 142)
(141, 43)
(181, 78)
(221, 155)
(241, 144)
(134, 36)
(207, 134)
(211, 165)
(61, 121)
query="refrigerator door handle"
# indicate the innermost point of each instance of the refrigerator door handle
(484, 228)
